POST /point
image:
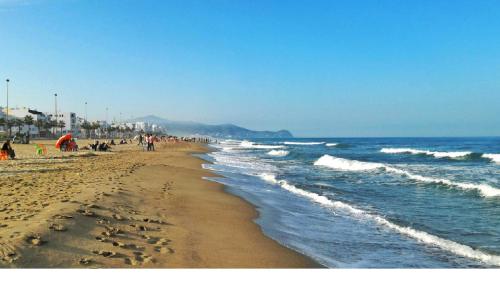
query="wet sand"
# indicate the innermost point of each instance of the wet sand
(127, 209)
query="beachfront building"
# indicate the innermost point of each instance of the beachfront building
(141, 126)
(2, 116)
(69, 119)
(20, 113)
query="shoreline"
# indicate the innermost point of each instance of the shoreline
(129, 209)
(307, 263)
(226, 190)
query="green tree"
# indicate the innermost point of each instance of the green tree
(61, 124)
(28, 120)
(86, 126)
(18, 123)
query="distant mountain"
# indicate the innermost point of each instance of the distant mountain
(221, 131)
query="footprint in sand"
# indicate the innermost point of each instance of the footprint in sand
(128, 246)
(7, 253)
(144, 228)
(139, 258)
(85, 261)
(62, 217)
(118, 217)
(34, 239)
(163, 249)
(92, 206)
(155, 221)
(106, 253)
(86, 212)
(113, 230)
(102, 221)
(57, 227)
(102, 239)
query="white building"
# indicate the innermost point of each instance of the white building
(21, 113)
(69, 119)
(141, 126)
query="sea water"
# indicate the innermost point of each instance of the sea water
(372, 202)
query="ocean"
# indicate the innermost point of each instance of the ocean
(372, 202)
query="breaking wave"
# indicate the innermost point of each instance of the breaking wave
(421, 236)
(332, 144)
(303, 143)
(278, 153)
(452, 155)
(494, 157)
(251, 145)
(353, 165)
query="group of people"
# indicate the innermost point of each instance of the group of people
(148, 140)
(99, 146)
(69, 146)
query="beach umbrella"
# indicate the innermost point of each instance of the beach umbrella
(62, 139)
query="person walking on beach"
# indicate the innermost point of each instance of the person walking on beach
(140, 139)
(148, 142)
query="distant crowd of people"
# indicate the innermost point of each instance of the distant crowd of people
(147, 141)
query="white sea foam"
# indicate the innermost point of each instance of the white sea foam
(494, 157)
(251, 145)
(285, 185)
(353, 165)
(332, 144)
(452, 155)
(303, 143)
(345, 164)
(278, 153)
(421, 236)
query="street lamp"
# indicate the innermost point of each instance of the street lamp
(55, 113)
(85, 111)
(7, 80)
(7, 117)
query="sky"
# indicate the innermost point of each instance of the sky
(316, 68)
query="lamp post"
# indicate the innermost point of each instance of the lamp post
(106, 124)
(85, 111)
(7, 115)
(55, 113)
(7, 81)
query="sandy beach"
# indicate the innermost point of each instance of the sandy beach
(127, 209)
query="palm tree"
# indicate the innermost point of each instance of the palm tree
(86, 126)
(28, 120)
(18, 123)
(61, 125)
(53, 125)
(9, 123)
(94, 126)
(39, 124)
(46, 125)
(2, 121)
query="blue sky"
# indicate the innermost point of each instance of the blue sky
(317, 68)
